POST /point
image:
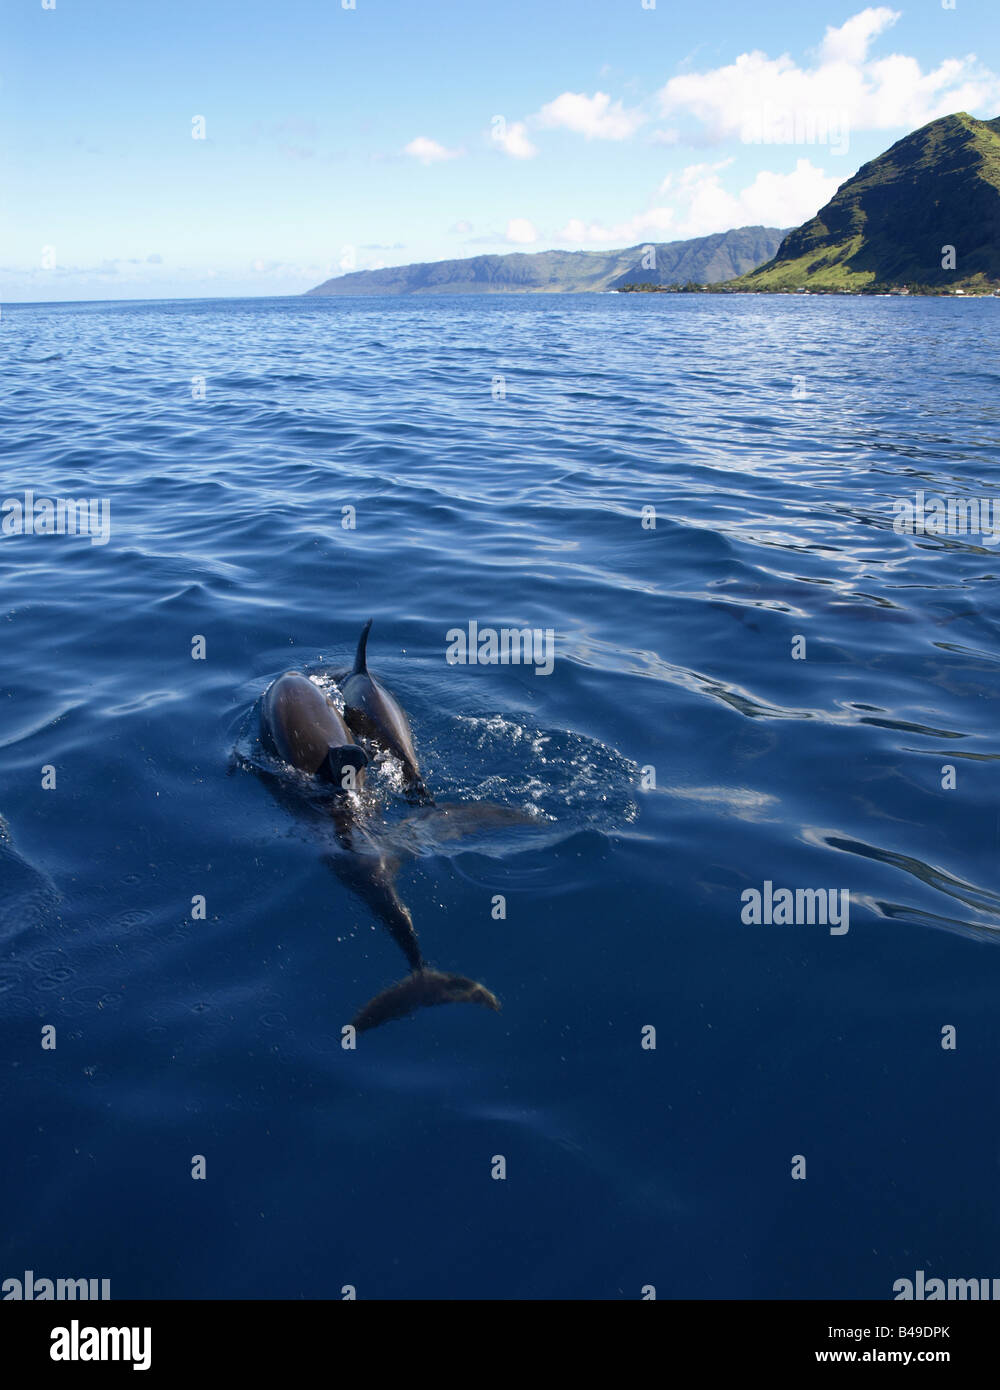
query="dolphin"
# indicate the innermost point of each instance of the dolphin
(305, 730)
(372, 712)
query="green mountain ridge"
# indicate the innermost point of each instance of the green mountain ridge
(703, 260)
(889, 225)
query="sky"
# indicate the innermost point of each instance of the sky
(196, 148)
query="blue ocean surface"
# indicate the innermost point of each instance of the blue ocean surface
(769, 685)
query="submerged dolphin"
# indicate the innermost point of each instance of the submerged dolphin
(302, 726)
(372, 712)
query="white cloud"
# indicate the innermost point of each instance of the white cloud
(596, 117)
(513, 139)
(846, 85)
(429, 151)
(701, 206)
(692, 175)
(521, 231)
(851, 42)
(654, 223)
(771, 200)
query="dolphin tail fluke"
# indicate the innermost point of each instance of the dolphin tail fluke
(422, 989)
(361, 656)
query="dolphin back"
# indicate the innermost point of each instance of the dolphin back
(420, 990)
(373, 712)
(302, 726)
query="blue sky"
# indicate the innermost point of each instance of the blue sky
(341, 138)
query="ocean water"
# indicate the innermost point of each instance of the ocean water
(767, 686)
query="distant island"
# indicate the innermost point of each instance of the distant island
(922, 218)
(698, 261)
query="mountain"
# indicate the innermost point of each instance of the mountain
(705, 260)
(889, 225)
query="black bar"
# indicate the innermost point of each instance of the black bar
(297, 1338)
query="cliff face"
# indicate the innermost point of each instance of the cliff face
(890, 223)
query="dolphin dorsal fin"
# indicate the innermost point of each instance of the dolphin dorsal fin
(361, 658)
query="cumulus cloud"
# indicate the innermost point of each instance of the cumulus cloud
(770, 200)
(429, 151)
(596, 117)
(700, 205)
(521, 232)
(851, 42)
(865, 93)
(513, 139)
